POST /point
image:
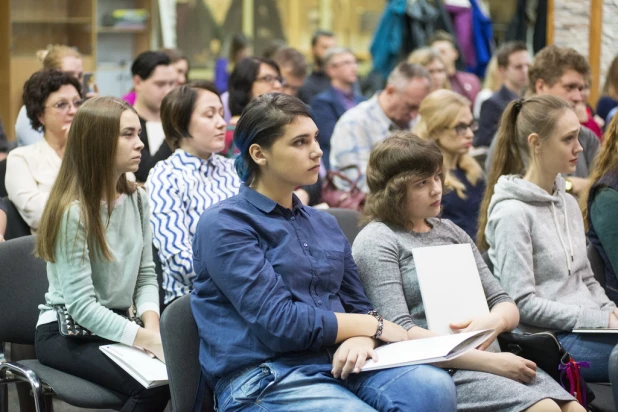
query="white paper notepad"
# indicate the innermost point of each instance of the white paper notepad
(150, 372)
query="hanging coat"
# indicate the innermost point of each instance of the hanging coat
(483, 36)
(388, 38)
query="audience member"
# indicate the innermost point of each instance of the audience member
(513, 60)
(405, 186)
(466, 84)
(180, 64)
(3, 212)
(293, 67)
(51, 99)
(318, 80)
(535, 234)
(609, 99)
(61, 58)
(258, 257)
(446, 118)
(362, 127)
(492, 83)
(97, 242)
(238, 50)
(561, 72)
(585, 114)
(599, 204)
(431, 60)
(191, 180)
(328, 106)
(251, 78)
(153, 78)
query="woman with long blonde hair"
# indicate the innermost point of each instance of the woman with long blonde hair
(599, 204)
(445, 118)
(97, 241)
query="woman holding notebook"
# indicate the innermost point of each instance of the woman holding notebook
(534, 231)
(95, 236)
(404, 176)
(283, 320)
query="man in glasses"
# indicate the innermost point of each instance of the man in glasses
(341, 67)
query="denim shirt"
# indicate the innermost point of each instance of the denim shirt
(269, 280)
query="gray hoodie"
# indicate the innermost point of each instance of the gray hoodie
(538, 248)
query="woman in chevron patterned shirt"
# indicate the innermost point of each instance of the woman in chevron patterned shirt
(194, 178)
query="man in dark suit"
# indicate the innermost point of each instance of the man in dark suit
(318, 80)
(513, 61)
(341, 67)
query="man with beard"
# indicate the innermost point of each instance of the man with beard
(317, 81)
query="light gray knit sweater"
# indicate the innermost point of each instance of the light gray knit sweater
(538, 248)
(386, 267)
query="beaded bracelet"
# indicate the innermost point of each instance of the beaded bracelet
(380, 319)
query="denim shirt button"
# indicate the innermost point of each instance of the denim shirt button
(292, 218)
(319, 302)
(305, 245)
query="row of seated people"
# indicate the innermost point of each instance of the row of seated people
(214, 133)
(279, 300)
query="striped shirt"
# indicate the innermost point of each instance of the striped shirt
(355, 135)
(180, 189)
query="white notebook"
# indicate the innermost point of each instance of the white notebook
(428, 350)
(150, 372)
(450, 286)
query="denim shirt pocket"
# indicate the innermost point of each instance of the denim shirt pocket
(336, 268)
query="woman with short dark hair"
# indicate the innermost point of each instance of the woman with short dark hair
(191, 180)
(51, 98)
(283, 320)
(251, 77)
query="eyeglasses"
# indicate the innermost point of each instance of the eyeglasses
(64, 105)
(462, 128)
(344, 63)
(270, 79)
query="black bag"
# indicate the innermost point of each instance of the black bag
(544, 349)
(71, 329)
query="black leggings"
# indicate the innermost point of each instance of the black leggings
(85, 360)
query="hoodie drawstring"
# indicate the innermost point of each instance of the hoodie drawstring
(569, 257)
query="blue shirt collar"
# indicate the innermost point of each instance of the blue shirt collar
(266, 204)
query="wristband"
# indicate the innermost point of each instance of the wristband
(380, 319)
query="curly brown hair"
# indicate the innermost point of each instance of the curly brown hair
(392, 164)
(39, 87)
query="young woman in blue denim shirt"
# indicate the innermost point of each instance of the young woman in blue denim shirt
(283, 319)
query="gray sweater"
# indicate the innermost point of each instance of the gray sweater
(538, 248)
(386, 268)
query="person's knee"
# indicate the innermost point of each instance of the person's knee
(434, 390)
(544, 405)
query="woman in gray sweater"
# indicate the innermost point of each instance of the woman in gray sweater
(405, 181)
(534, 231)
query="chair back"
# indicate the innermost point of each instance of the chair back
(181, 345)
(159, 272)
(596, 262)
(16, 226)
(23, 277)
(348, 222)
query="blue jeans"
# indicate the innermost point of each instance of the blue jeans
(303, 382)
(593, 348)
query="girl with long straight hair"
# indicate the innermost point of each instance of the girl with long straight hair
(283, 320)
(96, 238)
(534, 232)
